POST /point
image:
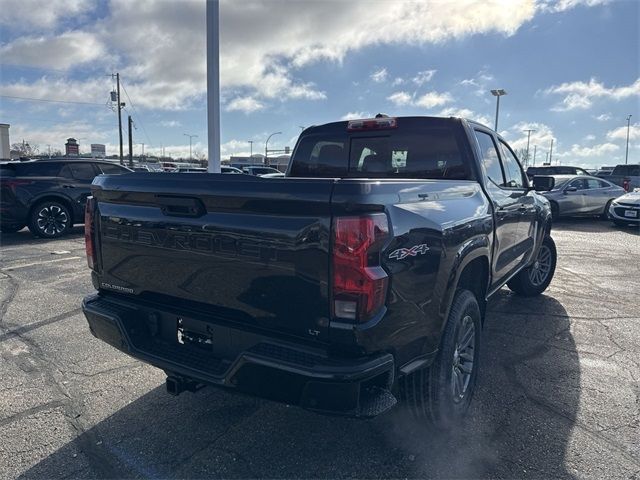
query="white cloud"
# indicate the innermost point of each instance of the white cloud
(541, 136)
(587, 152)
(355, 115)
(380, 75)
(580, 95)
(603, 117)
(400, 99)
(423, 77)
(620, 133)
(466, 113)
(433, 99)
(61, 52)
(24, 14)
(563, 5)
(589, 138)
(170, 123)
(244, 104)
(480, 83)
(397, 81)
(428, 100)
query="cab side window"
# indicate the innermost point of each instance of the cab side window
(490, 159)
(514, 177)
(83, 172)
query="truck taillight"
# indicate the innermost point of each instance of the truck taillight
(89, 231)
(359, 282)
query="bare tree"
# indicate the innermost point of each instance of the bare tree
(25, 149)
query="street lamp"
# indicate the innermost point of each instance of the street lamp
(498, 93)
(190, 137)
(528, 140)
(626, 155)
(266, 144)
(251, 148)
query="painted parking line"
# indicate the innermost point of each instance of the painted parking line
(44, 262)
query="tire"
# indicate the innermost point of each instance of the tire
(11, 228)
(50, 219)
(555, 211)
(433, 394)
(605, 213)
(535, 279)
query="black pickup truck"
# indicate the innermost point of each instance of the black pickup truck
(358, 280)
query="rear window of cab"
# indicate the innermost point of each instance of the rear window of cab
(430, 152)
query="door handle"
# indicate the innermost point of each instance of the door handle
(68, 186)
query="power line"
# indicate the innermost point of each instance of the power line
(136, 112)
(51, 100)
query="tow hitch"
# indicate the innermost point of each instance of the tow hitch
(177, 385)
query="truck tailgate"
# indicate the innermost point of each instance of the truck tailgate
(252, 251)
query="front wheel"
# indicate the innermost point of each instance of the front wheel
(535, 279)
(441, 394)
(605, 214)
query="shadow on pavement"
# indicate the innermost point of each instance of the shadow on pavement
(25, 237)
(520, 423)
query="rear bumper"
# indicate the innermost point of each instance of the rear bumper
(251, 363)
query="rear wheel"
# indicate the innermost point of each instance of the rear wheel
(50, 219)
(441, 394)
(535, 279)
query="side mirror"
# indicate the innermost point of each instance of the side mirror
(542, 183)
(570, 189)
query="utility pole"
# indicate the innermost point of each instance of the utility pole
(190, 137)
(49, 147)
(535, 147)
(528, 139)
(142, 150)
(551, 152)
(626, 155)
(120, 105)
(130, 142)
(251, 148)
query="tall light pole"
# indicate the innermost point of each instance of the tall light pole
(535, 147)
(498, 93)
(528, 139)
(551, 153)
(213, 85)
(190, 137)
(266, 145)
(250, 148)
(626, 155)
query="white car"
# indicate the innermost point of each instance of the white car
(626, 209)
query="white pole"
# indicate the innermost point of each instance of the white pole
(213, 84)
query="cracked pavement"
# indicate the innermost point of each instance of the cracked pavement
(558, 395)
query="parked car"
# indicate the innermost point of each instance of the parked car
(232, 170)
(555, 170)
(141, 168)
(253, 170)
(627, 176)
(48, 195)
(189, 170)
(626, 209)
(273, 175)
(361, 278)
(604, 171)
(580, 195)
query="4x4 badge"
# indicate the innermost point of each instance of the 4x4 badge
(414, 251)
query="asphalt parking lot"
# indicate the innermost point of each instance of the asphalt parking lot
(559, 389)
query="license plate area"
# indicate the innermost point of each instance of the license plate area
(631, 213)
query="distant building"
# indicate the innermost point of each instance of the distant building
(280, 161)
(71, 148)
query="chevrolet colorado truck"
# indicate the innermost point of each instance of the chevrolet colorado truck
(358, 280)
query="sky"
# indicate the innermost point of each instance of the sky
(570, 69)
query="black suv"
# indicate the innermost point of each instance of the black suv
(49, 195)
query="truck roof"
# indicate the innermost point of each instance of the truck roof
(342, 124)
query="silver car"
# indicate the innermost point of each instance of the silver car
(575, 195)
(626, 209)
